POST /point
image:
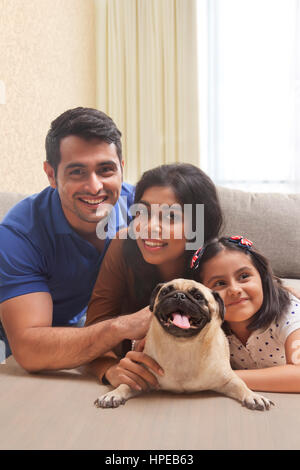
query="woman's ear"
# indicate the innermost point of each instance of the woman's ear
(153, 295)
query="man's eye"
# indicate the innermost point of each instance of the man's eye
(76, 172)
(106, 170)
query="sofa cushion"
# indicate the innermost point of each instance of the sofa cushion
(271, 221)
(8, 200)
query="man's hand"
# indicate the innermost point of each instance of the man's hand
(131, 370)
(137, 324)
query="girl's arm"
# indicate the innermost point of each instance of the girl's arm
(285, 378)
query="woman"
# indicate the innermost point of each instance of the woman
(154, 249)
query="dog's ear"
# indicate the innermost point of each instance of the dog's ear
(220, 302)
(153, 295)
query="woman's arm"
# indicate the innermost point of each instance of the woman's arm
(285, 378)
(113, 290)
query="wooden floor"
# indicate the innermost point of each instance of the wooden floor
(56, 411)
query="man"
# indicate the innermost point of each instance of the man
(50, 253)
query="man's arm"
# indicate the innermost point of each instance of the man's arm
(36, 345)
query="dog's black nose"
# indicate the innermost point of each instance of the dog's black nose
(179, 296)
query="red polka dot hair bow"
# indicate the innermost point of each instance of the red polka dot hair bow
(241, 241)
(196, 258)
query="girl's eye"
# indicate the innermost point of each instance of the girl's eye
(219, 284)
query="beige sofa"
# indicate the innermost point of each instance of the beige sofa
(270, 220)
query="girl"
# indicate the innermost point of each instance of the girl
(262, 320)
(152, 250)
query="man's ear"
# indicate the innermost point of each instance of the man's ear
(49, 170)
(220, 302)
(153, 295)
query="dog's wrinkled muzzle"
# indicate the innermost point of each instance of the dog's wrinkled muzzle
(181, 315)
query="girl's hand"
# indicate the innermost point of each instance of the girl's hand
(131, 370)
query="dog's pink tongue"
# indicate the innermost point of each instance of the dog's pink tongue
(181, 321)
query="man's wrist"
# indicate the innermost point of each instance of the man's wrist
(120, 328)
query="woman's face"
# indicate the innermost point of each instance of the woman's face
(159, 226)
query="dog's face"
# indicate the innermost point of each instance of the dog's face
(183, 307)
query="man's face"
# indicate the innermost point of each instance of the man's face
(89, 176)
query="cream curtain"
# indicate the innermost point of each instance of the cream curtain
(147, 79)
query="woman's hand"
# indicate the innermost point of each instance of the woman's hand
(133, 371)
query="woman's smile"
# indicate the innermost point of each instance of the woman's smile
(154, 245)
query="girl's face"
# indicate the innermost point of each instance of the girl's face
(159, 226)
(235, 278)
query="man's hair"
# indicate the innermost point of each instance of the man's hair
(87, 123)
(276, 298)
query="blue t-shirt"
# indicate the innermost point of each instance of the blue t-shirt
(40, 252)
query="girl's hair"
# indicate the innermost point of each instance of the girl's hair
(191, 186)
(275, 297)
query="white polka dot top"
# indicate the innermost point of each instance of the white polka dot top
(265, 348)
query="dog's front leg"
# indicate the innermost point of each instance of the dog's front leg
(116, 397)
(236, 388)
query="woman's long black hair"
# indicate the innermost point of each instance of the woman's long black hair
(191, 186)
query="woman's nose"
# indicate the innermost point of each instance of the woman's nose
(154, 227)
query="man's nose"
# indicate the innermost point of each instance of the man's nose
(94, 184)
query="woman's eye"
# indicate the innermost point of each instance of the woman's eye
(142, 212)
(172, 216)
(244, 276)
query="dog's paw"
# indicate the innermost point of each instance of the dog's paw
(110, 400)
(254, 401)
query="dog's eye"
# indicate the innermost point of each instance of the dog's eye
(198, 296)
(164, 291)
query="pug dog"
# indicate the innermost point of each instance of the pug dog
(186, 338)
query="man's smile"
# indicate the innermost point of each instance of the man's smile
(93, 201)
